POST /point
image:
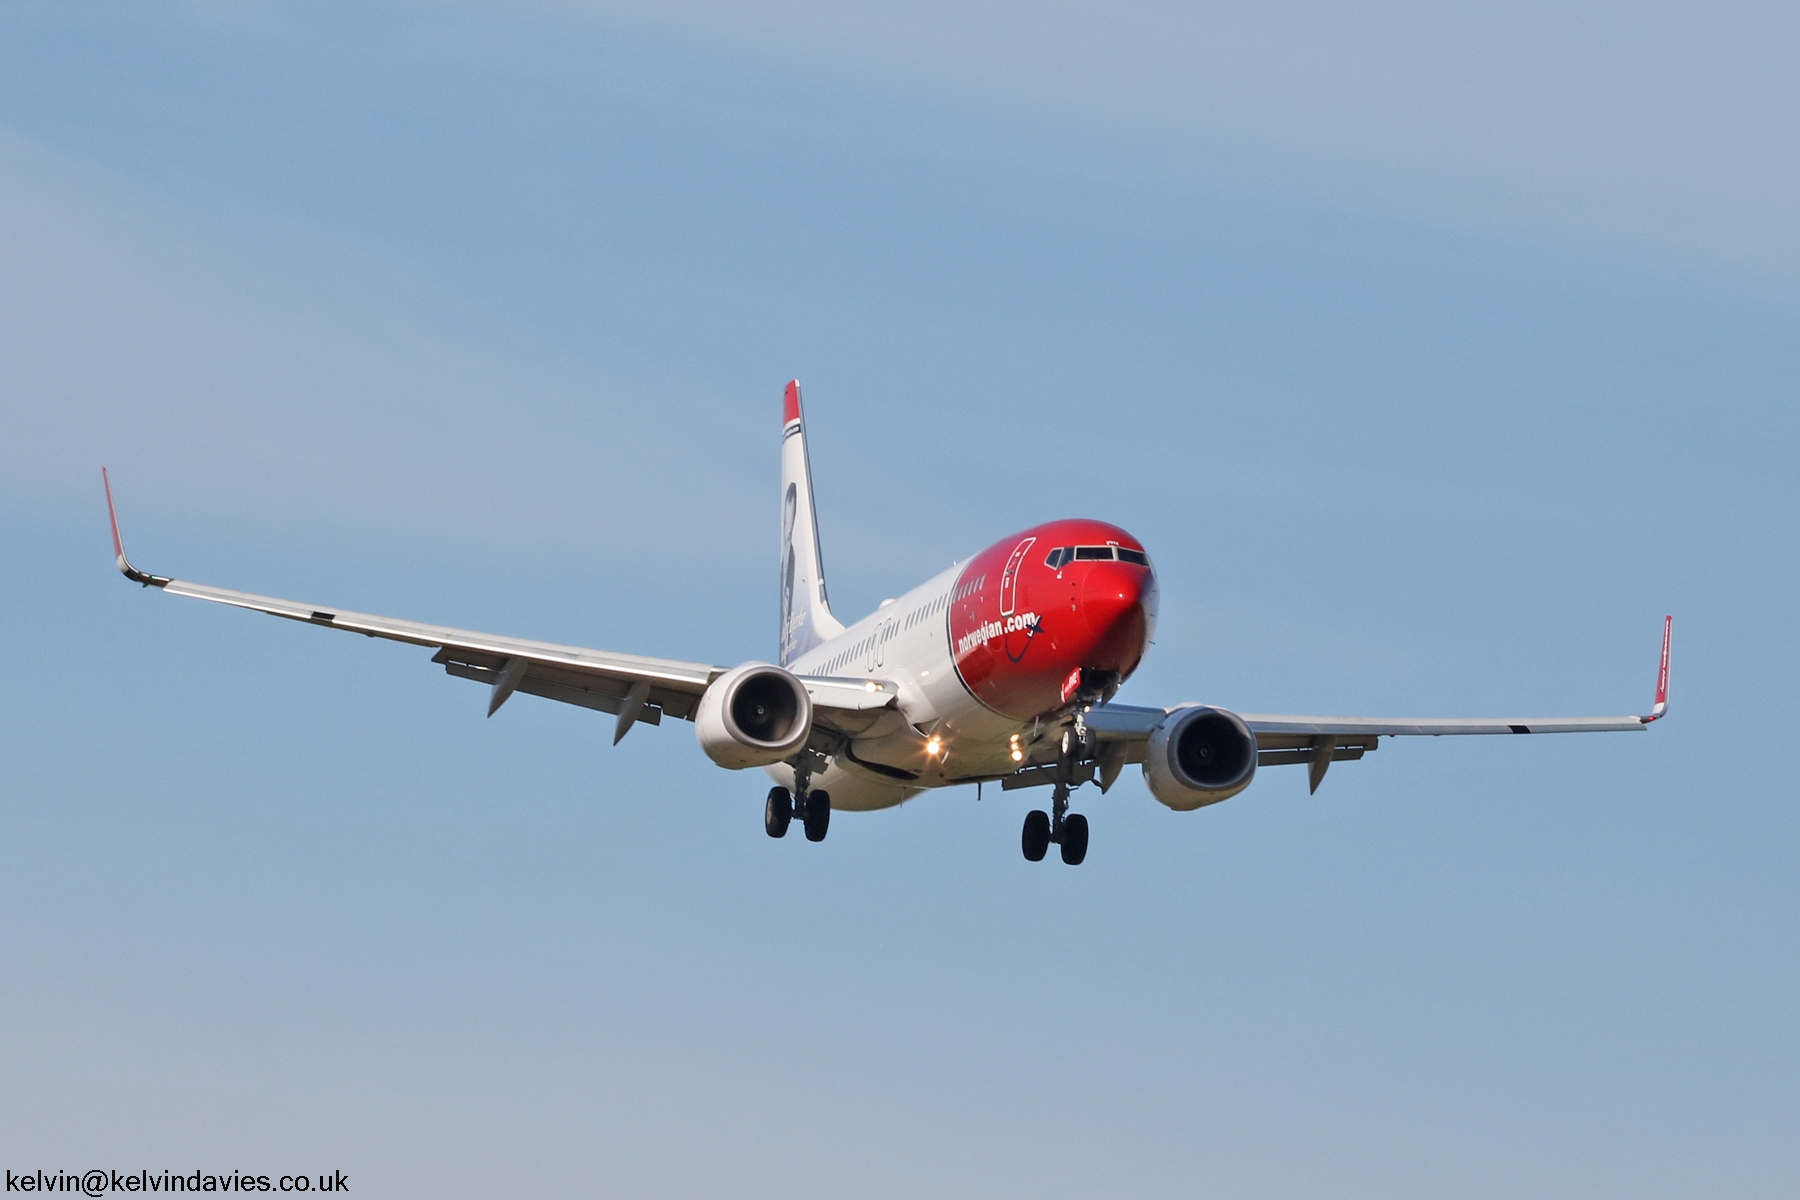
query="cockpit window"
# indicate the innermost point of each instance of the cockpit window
(1062, 556)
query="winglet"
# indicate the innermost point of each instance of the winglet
(790, 404)
(1662, 675)
(130, 572)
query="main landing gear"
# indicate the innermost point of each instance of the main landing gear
(1068, 830)
(778, 812)
(813, 808)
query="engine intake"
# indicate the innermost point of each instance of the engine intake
(753, 715)
(1199, 756)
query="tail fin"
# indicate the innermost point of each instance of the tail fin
(806, 618)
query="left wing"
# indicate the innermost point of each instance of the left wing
(632, 687)
(1320, 741)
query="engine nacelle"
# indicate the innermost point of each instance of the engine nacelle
(753, 715)
(1199, 756)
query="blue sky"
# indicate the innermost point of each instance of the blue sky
(1434, 355)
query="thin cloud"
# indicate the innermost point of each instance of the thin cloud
(1668, 128)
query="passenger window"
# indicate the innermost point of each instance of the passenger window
(1093, 553)
(1133, 556)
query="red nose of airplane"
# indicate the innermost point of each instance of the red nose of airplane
(1119, 606)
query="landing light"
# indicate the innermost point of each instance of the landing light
(870, 686)
(933, 748)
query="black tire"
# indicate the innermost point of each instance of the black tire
(1035, 840)
(778, 812)
(1074, 840)
(818, 815)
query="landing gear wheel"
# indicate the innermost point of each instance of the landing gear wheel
(1074, 839)
(818, 815)
(1035, 841)
(778, 812)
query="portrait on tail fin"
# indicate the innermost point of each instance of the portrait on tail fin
(789, 503)
(806, 620)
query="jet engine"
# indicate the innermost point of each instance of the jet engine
(753, 715)
(1199, 756)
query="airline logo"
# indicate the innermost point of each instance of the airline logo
(987, 631)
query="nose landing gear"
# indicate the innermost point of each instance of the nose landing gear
(1068, 830)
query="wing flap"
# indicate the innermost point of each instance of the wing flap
(599, 692)
(1308, 755)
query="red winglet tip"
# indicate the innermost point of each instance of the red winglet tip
(790, 408)
(1662, 673)
(118, 543)
(130, 572)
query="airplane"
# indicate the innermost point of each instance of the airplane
(1001, 669)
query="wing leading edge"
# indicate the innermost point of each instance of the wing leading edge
(1283, 739)
(1280, 726)
(631, 687)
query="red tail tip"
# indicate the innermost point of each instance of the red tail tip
(790, 408)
